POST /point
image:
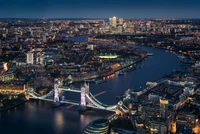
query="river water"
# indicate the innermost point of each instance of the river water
(38, 117)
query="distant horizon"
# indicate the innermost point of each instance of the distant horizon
(78, 18)
(99, 8)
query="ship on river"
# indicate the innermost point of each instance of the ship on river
(149, 54)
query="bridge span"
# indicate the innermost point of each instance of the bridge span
(87, 99)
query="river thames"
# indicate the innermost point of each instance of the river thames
(39, 117)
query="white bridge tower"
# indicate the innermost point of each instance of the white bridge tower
(84, 91)
(56, 91)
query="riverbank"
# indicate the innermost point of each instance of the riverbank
(108, 73)
(7, 108)
(139, 60)
(116, 39)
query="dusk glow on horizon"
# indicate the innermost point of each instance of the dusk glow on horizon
(99, 9)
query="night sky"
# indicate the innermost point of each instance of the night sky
(99, 8)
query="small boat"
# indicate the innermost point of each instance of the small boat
(149, 54)
(99, 81)
(122, 73)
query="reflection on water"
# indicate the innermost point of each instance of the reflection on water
(84, 120)
(58, 119)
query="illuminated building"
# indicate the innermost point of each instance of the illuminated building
(196, 129)
(157, 125)
(121, 20)
(110, 21)
(84, 91)
(109, 56)
(173, 130)
(12, 88)
(114, 22)
(90, 46)
(163, 108)
(5, 67)
(99, 126)
(29, 58)
(56, 91)
(7, 76)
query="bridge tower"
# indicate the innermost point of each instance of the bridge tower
(84, 92)
(56, 91)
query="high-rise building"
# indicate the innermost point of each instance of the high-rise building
(29, 58)
(110, 21)
(163, 108)
(121, 21)
(114, 22)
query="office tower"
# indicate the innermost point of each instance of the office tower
(114, 22)
(110, 21)
(121, 21)
(29, 57)
(163, 108)
(0, 48)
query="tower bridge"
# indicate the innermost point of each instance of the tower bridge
(87, 100)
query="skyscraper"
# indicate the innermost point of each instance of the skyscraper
(29, 58)
(110, 21)
(121, 20)
(114, 22)
(163, 108)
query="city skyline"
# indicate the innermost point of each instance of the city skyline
(99, 9)
(122, 75)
